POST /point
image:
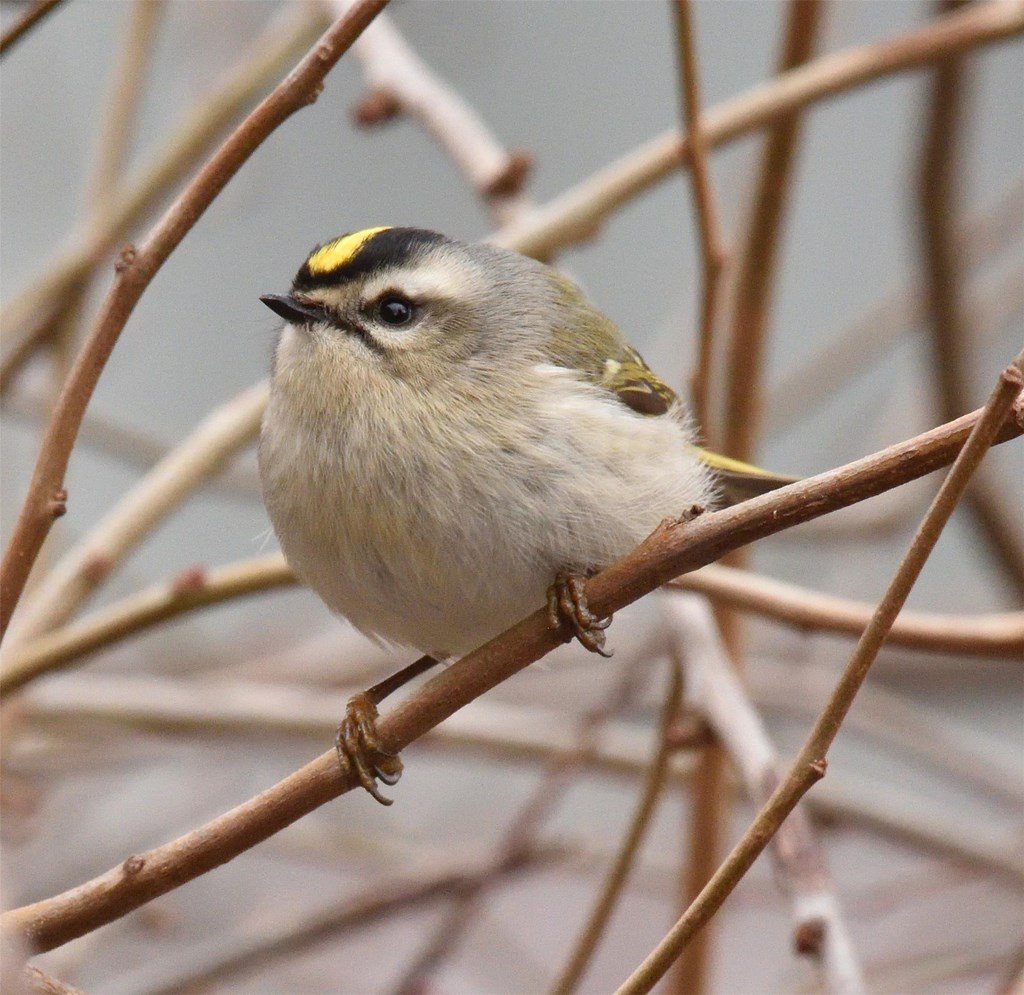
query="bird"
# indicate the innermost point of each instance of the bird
(455, 436)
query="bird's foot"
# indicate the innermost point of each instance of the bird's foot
(359, 748)
(567, 606)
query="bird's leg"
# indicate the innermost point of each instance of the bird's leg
(567, 605)
(357, 743)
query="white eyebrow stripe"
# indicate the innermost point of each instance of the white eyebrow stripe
(430, 278)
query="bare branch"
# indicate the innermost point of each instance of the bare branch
(401, 83)
(713, 687)
(670, 550)
(198, 457)
(713, 252)
(135, 269)
(997, 634)
(35, 13)
(615, 880)
(809, 765)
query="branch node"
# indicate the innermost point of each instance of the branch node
(97, 567)
(809, 937)
(133, 865)
(126, 258)
(510, 180)
(818, 768)
(189, 581)
(376, 107)
(58, 504)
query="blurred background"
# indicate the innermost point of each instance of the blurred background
(921, 815)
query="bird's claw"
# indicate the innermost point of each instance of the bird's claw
(567, 605)
(359, 748)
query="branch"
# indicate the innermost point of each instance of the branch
(939, 206)
(28, 317)
(615, 880)
(995, 634)
(35, 13)
(810, 763)
(673, 548)
(192, 589)
(713, 251)
(801, 869)
(197, 458)
(576, 215)
(135, 269)
(401, 83)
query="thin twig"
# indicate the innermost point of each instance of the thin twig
(46, 499)
(801, 870)
(28, 317)
(996, 634)
(809, 764)
(672, 549)
(197, 458)
(941, 169)
(576, 215)
(713, 252)
(32, 16)
(522, 831)
(582, 952)
(128, 444)
(401, 83)
(190, 590)
(812, 381)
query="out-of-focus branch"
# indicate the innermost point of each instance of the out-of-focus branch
(812, 381)
(996, 634)
(401, 83)
(758, 260)
(569, 978)
(46, 499)
(128, 444)
(35, 982)
(809, 764)
(713, 252)
(670, 550)
(714, 689)
(941, 169)
(28, 317)
(192, 589)
(577, 214)
(198, 457)
(522, 831)
(32, 16)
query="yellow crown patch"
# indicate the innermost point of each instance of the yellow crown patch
(334, 254)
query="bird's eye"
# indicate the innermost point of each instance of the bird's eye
(395, 310)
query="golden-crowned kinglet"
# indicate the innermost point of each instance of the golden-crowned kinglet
(452, 428)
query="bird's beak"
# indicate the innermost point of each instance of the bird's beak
(293, 310)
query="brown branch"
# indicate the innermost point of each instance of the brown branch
(572, 973)
(979, 238)
(809, 764)
(32, 16)
(996, 634)
(758, 261)
(28, 317)
(135, 269)
(199, 456)
(401, 83)
(192, 589)
(576, 215)
(522, 831)
(672, 549)
(713, 252)
(801, 870)
(939, 203)
(35, 982)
